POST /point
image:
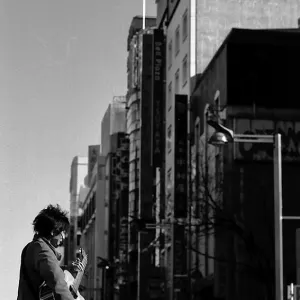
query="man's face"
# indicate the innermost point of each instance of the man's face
(58, 239)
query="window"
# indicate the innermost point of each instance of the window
(169, 179)
(177, 82)
(169, 103)
(169, 138)
(184, 71)
(170, 54)
(177, 40)
(217, 103)
(184, 26)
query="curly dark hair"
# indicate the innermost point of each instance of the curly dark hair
(51, 219)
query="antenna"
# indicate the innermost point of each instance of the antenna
(144, 14)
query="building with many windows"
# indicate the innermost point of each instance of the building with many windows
(79, 169)
(92, 224)
(194, 31)
(115, 150)
(116, 192)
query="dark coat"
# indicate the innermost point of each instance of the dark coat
(41, 261)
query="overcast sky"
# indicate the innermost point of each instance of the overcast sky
(61, 62)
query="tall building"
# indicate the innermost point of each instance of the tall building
(194, 31)
(113, 121)
(115, 150)
(241, 89)
(116, 192)
(145, 122)
(79, 170)
(92, 224)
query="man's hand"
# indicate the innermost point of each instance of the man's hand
(78, 266)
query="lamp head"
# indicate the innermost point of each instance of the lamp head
(218, 139)
(222, 129)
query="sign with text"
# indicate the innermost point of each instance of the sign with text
(180, 156)
(290, 133)
(158, 97)
(122, 156)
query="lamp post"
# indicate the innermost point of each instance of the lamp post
(222, 136)
(104, 264)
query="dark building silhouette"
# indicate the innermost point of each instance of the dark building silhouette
(252, 87)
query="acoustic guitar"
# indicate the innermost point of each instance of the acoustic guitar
(46, 293)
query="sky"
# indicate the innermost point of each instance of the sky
(61, 63)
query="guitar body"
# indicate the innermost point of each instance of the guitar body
(47, 294)
(70, 280)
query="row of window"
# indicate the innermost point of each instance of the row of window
(184, 33)
(184, 78)
(181, 74)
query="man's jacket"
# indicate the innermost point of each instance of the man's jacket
(41, 261)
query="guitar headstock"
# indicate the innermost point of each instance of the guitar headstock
(84, 256)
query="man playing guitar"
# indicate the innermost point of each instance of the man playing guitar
(40, 266)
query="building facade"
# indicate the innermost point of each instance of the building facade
(238, 261)
(115, 149)
(145, 121)
(92, 222)
(113, 121)
(117, 180)
(194, 31)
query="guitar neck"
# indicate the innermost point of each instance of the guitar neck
(77, 280)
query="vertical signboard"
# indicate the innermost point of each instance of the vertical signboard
(180, 156)
(158, 97)
(123, 166)
(113, 199)
(180, 198)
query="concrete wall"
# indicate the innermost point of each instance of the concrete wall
(215, 18)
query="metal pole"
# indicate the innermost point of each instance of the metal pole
(104, 287)
(278, 217)
(144, 14)
(102, 283)
(190, 220)
(206, 183)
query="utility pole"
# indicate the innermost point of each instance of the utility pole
(144, 14)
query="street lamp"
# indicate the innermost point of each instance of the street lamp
(104, 264)
(224, 135)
